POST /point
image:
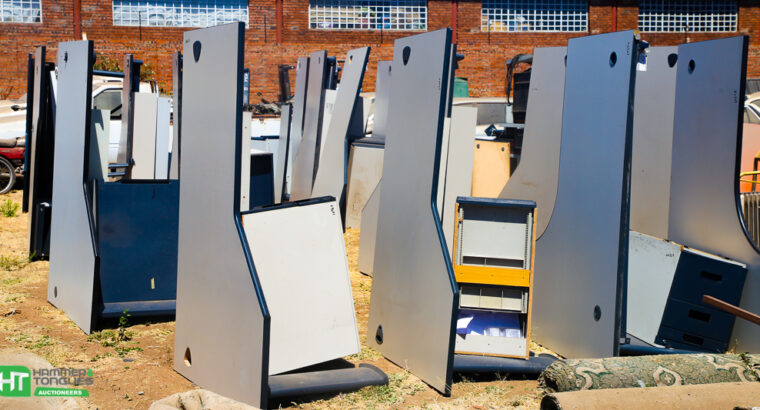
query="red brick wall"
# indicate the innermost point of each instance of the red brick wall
(485, 53)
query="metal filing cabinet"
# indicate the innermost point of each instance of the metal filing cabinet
(493, 264)
(689, 323)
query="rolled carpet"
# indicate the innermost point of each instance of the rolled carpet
(649, 371)
(696, 397)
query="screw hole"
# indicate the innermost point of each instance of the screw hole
(188, 358)
(692, 65)
(597, 313)
(55, 291)
(379, 335)
(672, 60)
(613, 59)
(406, 53)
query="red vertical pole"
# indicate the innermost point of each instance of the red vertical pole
(77, 19)
(614, 15)
(278, 14)
(454, 9)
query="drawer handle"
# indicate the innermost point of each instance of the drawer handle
(695, 314)
(711, 276)
(693, 339)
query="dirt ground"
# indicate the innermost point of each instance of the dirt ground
(133, 373)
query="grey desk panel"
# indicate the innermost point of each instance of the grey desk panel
(382, 99)
(296, 125)
(144, 136)
(72, 249)
(220, 318)
(307, 327)
(163, 108)
(308, 148)
(535, 178)
(706, 133)
(365, 167)
(330, 179)
(651, 267)
(280, 175)
(459, 165)
(653, 142)
(582, 253)
(413, 291)
(368, 232)
(177, 110)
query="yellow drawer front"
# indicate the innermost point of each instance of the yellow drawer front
(487, 275)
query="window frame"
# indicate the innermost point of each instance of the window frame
(20, 8)
(178, 14)
(561, 21)
(687, 15)
(322, 12)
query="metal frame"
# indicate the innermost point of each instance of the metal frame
(414, 294)
(704, 193)
(581, 260)
(280, 169)
(130, 86)
(332, 168)
(538, 171)
(38, 181)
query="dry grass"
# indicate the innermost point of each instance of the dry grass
(143, 362)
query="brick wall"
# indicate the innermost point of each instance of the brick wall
(485, 53)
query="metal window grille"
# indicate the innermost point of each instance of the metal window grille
(368, 14)
(688, 15)
(179, 13)
(20, 11)
(534, 15)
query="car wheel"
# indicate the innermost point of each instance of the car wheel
(7, 175)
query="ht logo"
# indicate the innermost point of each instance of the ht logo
(15, 381)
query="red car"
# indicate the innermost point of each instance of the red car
(11, 161)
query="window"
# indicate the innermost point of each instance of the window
(687, 15)
(368, 14)
(179, 13)
(534, 15)
(20, 11)
(109, 100)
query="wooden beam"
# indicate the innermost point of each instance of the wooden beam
(729, 308)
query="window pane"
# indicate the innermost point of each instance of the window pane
(368, 14)
(20, 11)
(179, 13)
(688, 15)
(534, 15)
